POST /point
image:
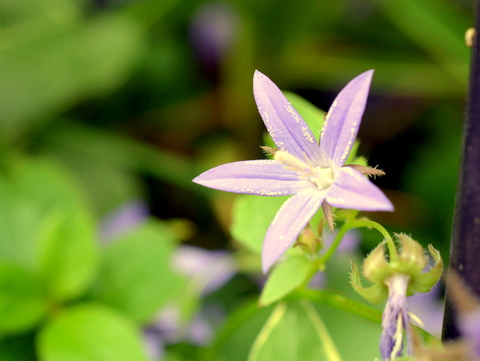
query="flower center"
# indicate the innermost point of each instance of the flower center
(321, 177)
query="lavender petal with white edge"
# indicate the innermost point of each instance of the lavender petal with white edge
(286, 127)
(290, 220)
(343, 120)
(261, 177)
(353, 190)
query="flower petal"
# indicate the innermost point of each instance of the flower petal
(351, 189)
(263, 177)
(290, 220)
(343, 120)
(286, 127)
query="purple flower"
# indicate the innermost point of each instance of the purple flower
(396, 319)
(313, 173)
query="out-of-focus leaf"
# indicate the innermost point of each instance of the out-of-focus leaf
(32, 190)
(47, 75)
(15, 348)
(122, 152)
(22, 304)
(294, 331)
(252, 216)
(135, 274)
(90, 332)
(286, 277)
(238, 333)
(424, 21)
(46, 184)
(68, 253)
(307, 68)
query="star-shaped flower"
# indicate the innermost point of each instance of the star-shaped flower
(315, 174)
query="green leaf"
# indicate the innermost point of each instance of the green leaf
(90, 332)
(68, 253)
(293, 332)
(285, 278)
(135, 275)
(351, 334)
(22, 304)
(252, 216)
(313, 116)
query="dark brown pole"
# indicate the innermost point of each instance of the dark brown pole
(465, 245)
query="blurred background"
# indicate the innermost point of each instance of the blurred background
(134, 98)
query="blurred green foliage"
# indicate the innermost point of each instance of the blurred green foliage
(102, 102)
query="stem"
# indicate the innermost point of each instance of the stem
(465, 250)
(358, 223)
(392, 250)
(340, 302)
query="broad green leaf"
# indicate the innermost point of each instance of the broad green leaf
(68, 253)
(252, 216)
(351, 334)
(285, 277)
(22, 303)
(135, 274)
(293, 332)
(89, 332)
(313, 116)
(33, 189)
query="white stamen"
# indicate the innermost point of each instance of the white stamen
(289, 160)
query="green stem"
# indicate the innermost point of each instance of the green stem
(340, 302)
(392, 250)
(331, 250)
(350, 223)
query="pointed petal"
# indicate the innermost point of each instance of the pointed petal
(343, 120)
(290, 220)
(286, 127)
(262, 177)
(350, 189)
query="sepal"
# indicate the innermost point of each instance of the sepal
(376, 293)
(425, 281)
(375, 266)
(411, 261)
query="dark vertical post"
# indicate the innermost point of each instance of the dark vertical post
(465, 246)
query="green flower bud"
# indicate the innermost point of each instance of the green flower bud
(412, 262)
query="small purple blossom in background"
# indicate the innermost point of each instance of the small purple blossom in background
(429, 308)
(207, 271)
(314, 174)
(212, 31)
(123, 219)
